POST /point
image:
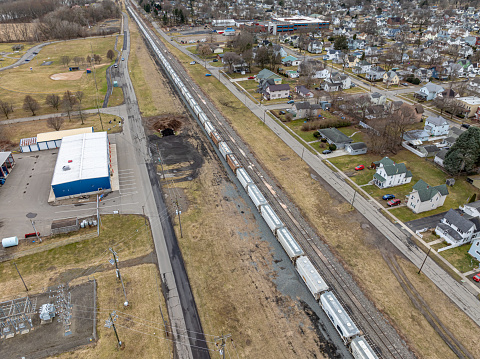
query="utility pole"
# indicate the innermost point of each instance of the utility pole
(111, 323)
(178, 212)
(222, 345)
(36, 233)
(143, 210)
(353, 199)
(26, 288)
(98, 218)
(429, 249)
(119, 276)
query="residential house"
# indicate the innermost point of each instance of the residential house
(390, 174)
(334, 136)
(290, 61)
(273, 92)
(337, 81)
(303, 91)
(293, 74)
(469, 105)
(477, 115)
(472, 209)
(391, 78)
(423, 74)
(362, 67)
(377, 98)
(321, 73)
(474, 250)
(306, 109)
(351, 61)
(426, 198)
(414, 136)
(475, 84)
(357, 148)
(375, 74)
(279, 50)
(448, 93)
(429, 92)
(436, 126)
(440, 157)
(396, 20)
(371, 51)
(266, 74)
(332, 55)
(428, 150)
(458, 229)
(315, 47)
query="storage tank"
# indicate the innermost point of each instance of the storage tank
(10, 242)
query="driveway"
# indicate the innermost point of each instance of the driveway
(426, 222)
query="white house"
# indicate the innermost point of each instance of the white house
(357, 148)
(315, 47)
(429, 92)
(471, 209)
(377, 98)
(303, 91)
(390, 174)
(474, 250)
(276, 91)
(375, 73)
(321, 73)
(426, 198)
(440, 157)
(436, 126)
(458, 229)
(362, 67)
(338, 78)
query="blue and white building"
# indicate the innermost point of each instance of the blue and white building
(83, 165)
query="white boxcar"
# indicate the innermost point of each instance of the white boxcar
(270, 218)
(208, 127)
(256, 196)
(203, 118)
(361, 349)
(224, 149)
(289, 244)
(244, 178)
(311, 277)
(337, 315)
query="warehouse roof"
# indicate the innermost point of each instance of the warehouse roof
(58, 135)
(81, 157)
(4, 156)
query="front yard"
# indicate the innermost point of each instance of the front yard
(458, 257)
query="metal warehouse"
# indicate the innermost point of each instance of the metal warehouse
(50, 140)
(83, 165)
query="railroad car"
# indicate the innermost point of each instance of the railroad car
(203, 118)
(337, 315)
(233, 162)
(244, 178)
(256, 196)
(271, 218)
(361, 349)
(224, 149)
(216, 138)
(208, 127)
(311, 277)
(289, 244)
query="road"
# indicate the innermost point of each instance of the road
(462, 294)
(187, 330)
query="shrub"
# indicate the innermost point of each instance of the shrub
(325, 123)
(332, 147)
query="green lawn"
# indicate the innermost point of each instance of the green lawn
(460, 258)
(296, 126)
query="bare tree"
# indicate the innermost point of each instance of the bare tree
(65, 60)
(78, 60)
(110, 54)
(30, 104)
(79, 96)
(229, 58)
(68, 102)
(6, 108)
(53, 101)
(97, 58)
(55, 122)
(89, 59)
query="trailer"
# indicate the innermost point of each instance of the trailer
(337, 315)
(289, 244)
(311, 277)
(271, 218)
(256, 196)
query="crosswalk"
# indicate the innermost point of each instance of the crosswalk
(128, 184)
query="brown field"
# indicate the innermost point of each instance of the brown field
(335, 224)
(17, 32)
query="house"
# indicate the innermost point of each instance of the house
(390, 174)
(477, 115)
(321, 73)
(266, 74)
(426, 198)
(455, 132)
(469, 105)
(334, 136)
(315, 47)
(351, 61)
(440, 157)
(474, 250)
(391, 78)
(429, 92)
(293, 74)
(375, 74)
(416, 135)
(428, 150)
(290, 61)
(357, 148)
(472, 209)
(338, 81)
(362, 67)
(396, 20)
(303, 91)
(377, 98)
(423, 74)
(306, 109)
(276, 91)
(458, 229)
(436, 126)
(279, 50)
(332, 55)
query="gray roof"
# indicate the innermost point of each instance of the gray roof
(281, 87)
(358, 145)
(441, 154)
(434, 88)
(450, 231)
(431, 148)
(397, 168)
(426, 193)
(475, 204)
(437, 120)
(302, 105)
(334, 135)
(458, 220)
(456, 130)
(376, 95)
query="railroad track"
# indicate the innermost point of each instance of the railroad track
(380, 335)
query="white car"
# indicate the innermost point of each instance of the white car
(192, 63)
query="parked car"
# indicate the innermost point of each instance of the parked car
(317, 88)
(404, 84)
(215, 60)
(123, 58)
(465, 125)
(326, 152)
(192, 63)
(208, 75)
(359, 168)
(116, 66)
(290, 102)
(388, 196)
(476, 277)
(251, 77)
(394, 202)
(282, 112)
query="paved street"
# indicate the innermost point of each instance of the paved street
(463, 294)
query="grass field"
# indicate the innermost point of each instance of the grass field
(16, 83)
(344, 235)
(116, 98)
(16, 131)
(460, 258)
